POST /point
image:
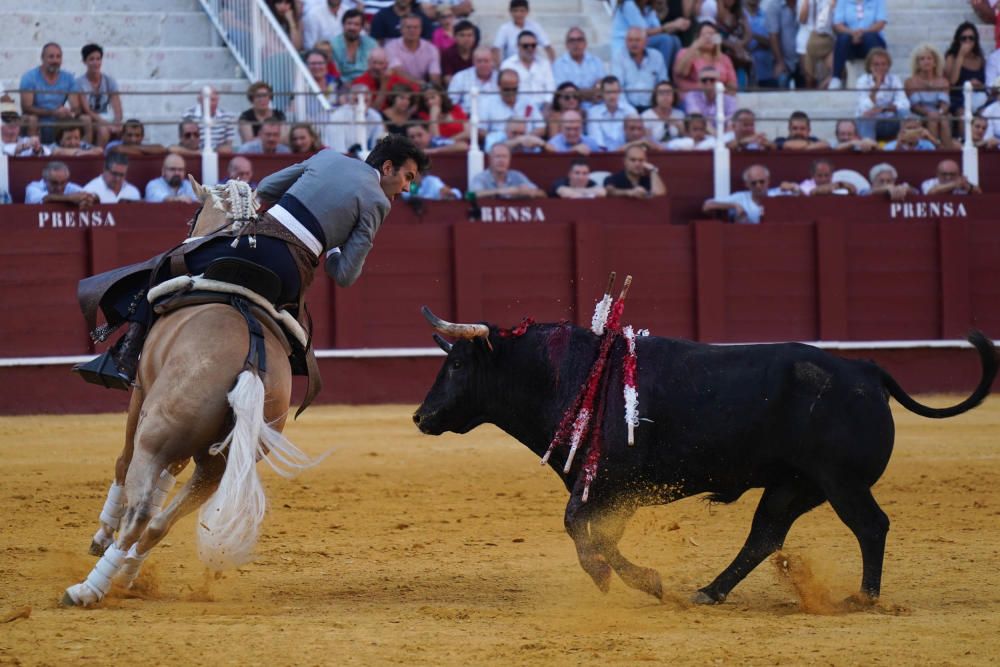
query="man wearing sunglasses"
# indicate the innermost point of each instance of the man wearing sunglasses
(747, 206)
(534, 72)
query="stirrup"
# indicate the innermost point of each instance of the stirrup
(103, 370)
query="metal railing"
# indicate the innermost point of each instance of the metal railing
(265, 53)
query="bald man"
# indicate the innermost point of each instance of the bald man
(172, 184)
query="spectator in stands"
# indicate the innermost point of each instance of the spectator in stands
(566, 98)
(317, 63)
(131, 143)
(964, 61)
(704, 52)
(949, 180)
(882, 99)
(799, 135)
(461, 8)
(571, 138)
(630, 14)
(326, 48)
(268, 141)
(848, 139)
(303, 139)
(284, 12)
(13, 142)
(71, 143)
(458, 56)
(379, 80)
(343, 133)
(992, 71)
(516, 137)
(534, 72)
(677, 17)
(821, 182)
(188, 140)
(505, 44)
(499, 180)
(481, 75)
(696, 136)
(816, 18)
(704, 101)
(858, 29)
(422, 138)
(639, 179)
(605, 121)
(744, 135)
(351, 47)
(413, 58)
(578, 66)
(913, 136)
(171, 186)
(748, 205)
(927, 91)
(635, 133)
(783, 28)
(980, 138)
(987, 12)
(260, 95)
(223, 122)
(240, 169)
(99, 99)
(577, 184)
(638, 68)
(991, 112)
(111, 186)
(322, 21)
(443, 118)
(734, 26)
(883, 182)
(48, 96)
(387, 22)
(55, 187)
(444, 32)
(401, 109)
(496, 110)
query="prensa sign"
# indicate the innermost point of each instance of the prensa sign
(61, 219)
(928, 209)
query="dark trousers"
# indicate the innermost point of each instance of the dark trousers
(845, 49)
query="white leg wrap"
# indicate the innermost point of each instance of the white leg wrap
(98, 582)
(130, 568)
(114, 507)
(163, 487)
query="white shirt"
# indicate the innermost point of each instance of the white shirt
(992, 69)
(689, 144)
(608, 128)
(342, 133)
(319, 24)
(462, 83)
(535, 80)
(890, 92)
(494, 114)
(992, 113)
(506, 39)
(107, 196)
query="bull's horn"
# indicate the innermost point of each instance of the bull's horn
(199, 191)
(454, 330)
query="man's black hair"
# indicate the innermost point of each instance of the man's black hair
(397, 149)
(352, 14)
(90, 48)
(113, 158)
(514, 4)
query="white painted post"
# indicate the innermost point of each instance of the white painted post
(476, 161)
(360, 124)
(4, 166)
(720, 163)
(970, 154)
(209, 158)
(256, 42)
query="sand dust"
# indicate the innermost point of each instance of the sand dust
(407, 549)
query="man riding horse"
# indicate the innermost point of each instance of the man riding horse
(329, 205)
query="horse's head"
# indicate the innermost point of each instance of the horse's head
(221, 205)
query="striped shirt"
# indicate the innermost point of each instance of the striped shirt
(223, 125)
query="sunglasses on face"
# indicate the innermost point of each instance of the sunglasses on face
(528, 45)
(508, 89)
(567, 96)
(189, 135)
(967, 38)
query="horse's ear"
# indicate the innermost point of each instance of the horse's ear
(199, 191)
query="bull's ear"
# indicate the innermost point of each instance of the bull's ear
(442, 343)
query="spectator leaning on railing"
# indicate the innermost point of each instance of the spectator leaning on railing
(883, 182)
(188, 140)
(111, 186)
(268, 141)
(71, 143)
(577, 184)
(639, 179)
(800, 136)
(171, 186)
(821, 181)
(949, 180)
(748, 205)
(223, 122)
(55, 188)
(132, 141)
(499, 180)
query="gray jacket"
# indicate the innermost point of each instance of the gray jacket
(346, 199)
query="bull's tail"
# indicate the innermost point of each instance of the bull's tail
(988, 361)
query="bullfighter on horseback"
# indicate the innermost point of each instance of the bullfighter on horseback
(328, 205)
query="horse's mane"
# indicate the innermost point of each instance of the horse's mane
(236, 199)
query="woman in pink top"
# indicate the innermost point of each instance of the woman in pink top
(705, 51)
(444, 35)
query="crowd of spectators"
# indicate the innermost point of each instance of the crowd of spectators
(415, 66)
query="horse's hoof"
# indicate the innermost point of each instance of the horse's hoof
(701, 597)
(67, 600)
(96, 549)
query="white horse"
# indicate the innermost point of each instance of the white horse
(194, 400)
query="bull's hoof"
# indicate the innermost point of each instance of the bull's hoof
(600, 572)
(858, 602)
(646, 580)
(701, 597)
(96, 549)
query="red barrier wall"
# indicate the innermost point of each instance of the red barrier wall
(863, 275)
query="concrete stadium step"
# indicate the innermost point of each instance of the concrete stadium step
(137, 29)
(134, 62)
(90, 7)
(825, 108)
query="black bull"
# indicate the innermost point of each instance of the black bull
(805, 425)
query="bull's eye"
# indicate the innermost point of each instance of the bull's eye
(455, 365)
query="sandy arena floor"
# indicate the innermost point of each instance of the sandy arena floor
(403, 548)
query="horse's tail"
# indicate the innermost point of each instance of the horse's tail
(230, 521)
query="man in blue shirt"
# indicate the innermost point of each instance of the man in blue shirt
(171, 186)
(584, 70)
(386, 22)
(351, 47)
(571, 137)
(857, 25)
(639, 69)
(55, 187)
(47, 96)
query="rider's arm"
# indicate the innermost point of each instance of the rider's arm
(344, 264)
(275, 185)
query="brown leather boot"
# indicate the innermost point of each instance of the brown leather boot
(116, 368)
